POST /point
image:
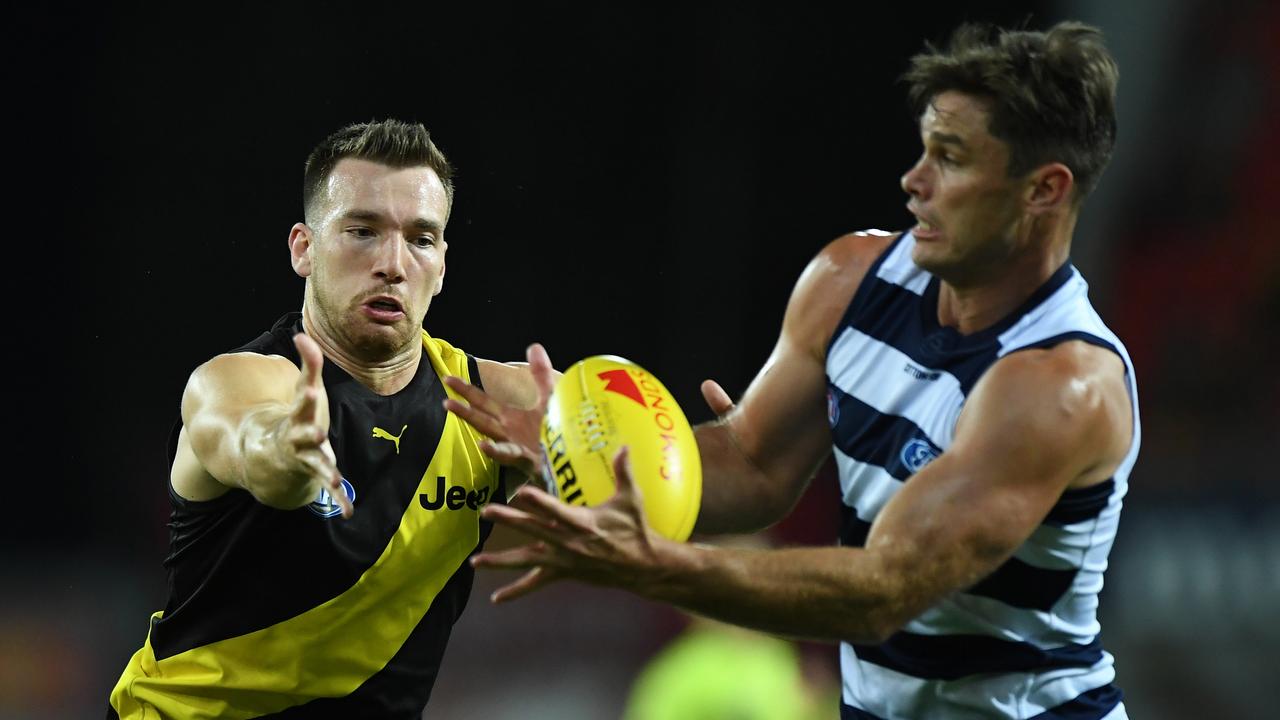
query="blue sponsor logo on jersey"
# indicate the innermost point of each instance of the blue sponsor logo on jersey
(917, 453)
(833, 408)
(325, 507)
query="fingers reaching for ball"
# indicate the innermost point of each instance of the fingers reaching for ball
(717, 399)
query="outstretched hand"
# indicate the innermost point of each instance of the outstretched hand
(610, 544)
(514, 432)
(306, 430)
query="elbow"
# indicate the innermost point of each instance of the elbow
(884, 609)
(880, 629)
(874, 627)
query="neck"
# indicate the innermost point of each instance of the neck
(976, 305)
(384, 376)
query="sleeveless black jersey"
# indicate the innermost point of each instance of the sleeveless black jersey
(299, 613)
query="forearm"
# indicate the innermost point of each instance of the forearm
(737, 495)
(829, 594)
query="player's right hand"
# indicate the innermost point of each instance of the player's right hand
(304, 434)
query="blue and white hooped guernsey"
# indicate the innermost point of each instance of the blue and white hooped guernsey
(1022, 643)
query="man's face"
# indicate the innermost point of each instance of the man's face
(966, 204)
(376, 256)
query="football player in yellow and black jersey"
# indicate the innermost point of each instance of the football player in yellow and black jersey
(324, 502)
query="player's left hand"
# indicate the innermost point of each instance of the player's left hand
(610, 544)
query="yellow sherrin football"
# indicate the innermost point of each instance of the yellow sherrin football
(602, 403)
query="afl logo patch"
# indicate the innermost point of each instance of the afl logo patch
(833, 408)
(325, 507)
(917, 453)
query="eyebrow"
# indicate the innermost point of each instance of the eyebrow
(947, 139)
(428, 225)
(370, 216)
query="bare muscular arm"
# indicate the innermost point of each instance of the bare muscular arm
(758, 456)
(258, 423)
(1040, 422)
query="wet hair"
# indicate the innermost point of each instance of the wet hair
(1051, 95)
(388, 142)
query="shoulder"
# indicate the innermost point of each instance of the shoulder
(857, 250)
(829, 282)
(243, 377)
(510, 383)
(1076, 371)
(1070, 398)
(845, 260)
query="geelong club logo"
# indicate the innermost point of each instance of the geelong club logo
(324, 505)
(917, 453)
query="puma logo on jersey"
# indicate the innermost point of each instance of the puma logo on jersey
(384, 435)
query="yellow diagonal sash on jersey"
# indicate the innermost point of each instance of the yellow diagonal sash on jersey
(356, 633)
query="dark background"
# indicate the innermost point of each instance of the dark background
(634, 180)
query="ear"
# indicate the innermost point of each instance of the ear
(1049, 187)
(300, 238)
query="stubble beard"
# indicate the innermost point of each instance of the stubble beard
(366, 341)
(974, 265)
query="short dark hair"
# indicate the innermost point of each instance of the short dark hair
(389, 142)
(1051, 95)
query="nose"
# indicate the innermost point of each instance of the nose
(914, 180)
(389, 261)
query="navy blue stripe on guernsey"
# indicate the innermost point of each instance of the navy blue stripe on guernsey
(870, 436)
(894, 322)
(1092, 705)
(1014, 583)
(950, 657)
(859, 296)
(849, 712)
(1025, 586)
(1081, 504)
(853, 529)
(1064, 337)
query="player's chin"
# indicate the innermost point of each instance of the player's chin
(930, 256)
(381, 339)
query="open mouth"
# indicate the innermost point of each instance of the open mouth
(384, 309)
(387, 305)
(924, 229)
